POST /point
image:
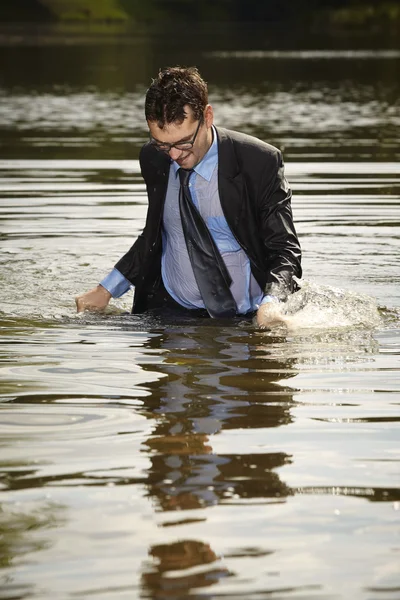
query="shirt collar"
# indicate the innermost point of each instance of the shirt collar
(206, 166)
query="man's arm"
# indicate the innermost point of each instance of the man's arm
(95, 300)
(270, 313)
(114, 285)
(282, 247)
(127, 269)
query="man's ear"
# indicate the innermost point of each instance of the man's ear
(209, 116)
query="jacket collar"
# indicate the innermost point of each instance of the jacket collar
(227, 160)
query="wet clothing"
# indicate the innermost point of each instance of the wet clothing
(255, 201)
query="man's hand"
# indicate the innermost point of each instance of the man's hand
(270, 315)
(96, 299)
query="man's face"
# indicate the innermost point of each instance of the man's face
(173, 133)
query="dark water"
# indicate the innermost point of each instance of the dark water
(147, 458)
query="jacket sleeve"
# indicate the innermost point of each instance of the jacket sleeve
(132, 264)
(282, 247)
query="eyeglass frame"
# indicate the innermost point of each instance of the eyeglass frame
(166, 147)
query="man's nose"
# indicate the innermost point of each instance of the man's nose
(174, 153)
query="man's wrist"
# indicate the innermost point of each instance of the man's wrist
(104, 291)
(116, 284)
(269, 298)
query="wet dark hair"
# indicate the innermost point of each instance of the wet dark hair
(174, 88)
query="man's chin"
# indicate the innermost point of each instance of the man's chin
(185, 162)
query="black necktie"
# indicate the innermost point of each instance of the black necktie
(209, 269)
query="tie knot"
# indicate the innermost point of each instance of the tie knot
(184, 175)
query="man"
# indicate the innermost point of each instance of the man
(219, 237)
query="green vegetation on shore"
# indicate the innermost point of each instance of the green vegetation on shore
(83, 10)
(334, 13)
(367, 14)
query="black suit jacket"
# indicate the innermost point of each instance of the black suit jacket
(256, 202)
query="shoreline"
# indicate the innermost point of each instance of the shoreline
(92, 33)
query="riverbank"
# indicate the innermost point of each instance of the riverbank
(323, 33)
(369, 14)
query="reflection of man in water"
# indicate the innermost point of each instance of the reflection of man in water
(238, 246)
(209, 389)
(183, 558)
(213, 383)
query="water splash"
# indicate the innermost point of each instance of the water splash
(323, 306)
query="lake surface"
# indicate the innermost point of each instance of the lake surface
(149, 458)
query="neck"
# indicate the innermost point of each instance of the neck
(210, 138)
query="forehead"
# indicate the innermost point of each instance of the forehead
(172, 132)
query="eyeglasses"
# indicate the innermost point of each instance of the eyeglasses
(185, 145)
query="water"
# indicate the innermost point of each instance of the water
(148, 458)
